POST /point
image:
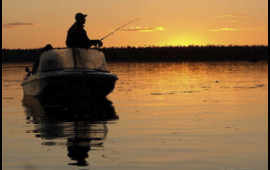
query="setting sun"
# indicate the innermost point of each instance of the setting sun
(185, 40)
(169, 23)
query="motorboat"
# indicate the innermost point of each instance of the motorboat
(70, 72)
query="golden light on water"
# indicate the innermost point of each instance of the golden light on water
(175, 115)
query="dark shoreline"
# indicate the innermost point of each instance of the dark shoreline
(156, 54)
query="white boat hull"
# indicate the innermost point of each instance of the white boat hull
(72, 83)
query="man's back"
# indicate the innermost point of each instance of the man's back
(77, 37)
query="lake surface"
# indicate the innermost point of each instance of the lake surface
(188, 116)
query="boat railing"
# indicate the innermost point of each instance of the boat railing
(72, 58)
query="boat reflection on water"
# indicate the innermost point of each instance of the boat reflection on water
(81, 123)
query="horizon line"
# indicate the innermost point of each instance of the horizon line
(151, 46)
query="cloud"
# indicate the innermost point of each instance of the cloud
(251, 29)
(231, 15)
(256, 29)
(144, 29)
(225, 29)
(17, 24)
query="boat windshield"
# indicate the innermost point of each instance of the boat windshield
(72, 58)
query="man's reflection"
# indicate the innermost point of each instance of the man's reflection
(81, 121)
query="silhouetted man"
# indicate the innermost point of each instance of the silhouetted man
(77, 36)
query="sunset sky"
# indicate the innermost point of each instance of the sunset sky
(35, 23)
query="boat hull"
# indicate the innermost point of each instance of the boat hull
(93, 84)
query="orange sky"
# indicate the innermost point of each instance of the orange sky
(35, 23)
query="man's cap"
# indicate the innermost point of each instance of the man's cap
(79, 16)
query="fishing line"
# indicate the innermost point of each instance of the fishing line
(119, 28)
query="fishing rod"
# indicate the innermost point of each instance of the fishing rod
(119, 28)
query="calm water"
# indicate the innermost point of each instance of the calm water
(188, 116)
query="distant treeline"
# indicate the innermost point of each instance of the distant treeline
(152, 54)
